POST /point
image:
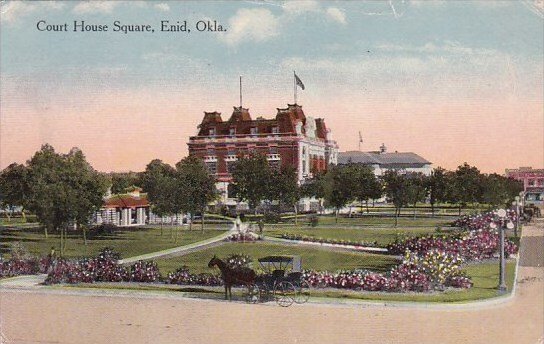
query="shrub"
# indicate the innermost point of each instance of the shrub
(272, 217)
(183, 276)
(144, 271)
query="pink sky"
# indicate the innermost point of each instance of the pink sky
(124, 130)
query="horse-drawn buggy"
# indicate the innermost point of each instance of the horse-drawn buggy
(281, 282)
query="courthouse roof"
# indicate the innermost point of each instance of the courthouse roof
(378, 158)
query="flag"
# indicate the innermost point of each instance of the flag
(299, 82)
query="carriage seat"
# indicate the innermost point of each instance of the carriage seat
(294, 276)
(278, 274)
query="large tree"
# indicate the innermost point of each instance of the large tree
(284, 188)
(13, 188)
(465, 186)
(437, 184)
(196, 187)
(250, 176)
(417, 188)
(88, 187)
(366, 185)
(315, 187)
(397, 190)
(159, 181)
(121, 181)
(63, 190)
(340, 186)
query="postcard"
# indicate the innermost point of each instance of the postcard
(271, 171)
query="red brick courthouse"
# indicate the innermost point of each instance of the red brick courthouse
(289, 139)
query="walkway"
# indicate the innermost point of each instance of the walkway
(181, 250)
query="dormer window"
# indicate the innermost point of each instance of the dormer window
(212, 132)
(232, 131)
(254, 131)
(275, 130)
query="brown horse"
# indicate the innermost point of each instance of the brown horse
(232, 276)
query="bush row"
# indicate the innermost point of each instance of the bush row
(307, 238)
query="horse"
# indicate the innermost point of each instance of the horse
(232, 276)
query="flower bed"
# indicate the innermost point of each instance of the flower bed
(472, 245)
(22, 266)
(434, 271)
(184, 277)
(482, 221)
(103, 268)
(307, 238)
(243, 237)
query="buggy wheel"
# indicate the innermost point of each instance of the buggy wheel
(302, 292)
(253, 294)
(284, 293)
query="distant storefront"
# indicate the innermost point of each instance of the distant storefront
(533, 183)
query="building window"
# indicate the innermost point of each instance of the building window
(211, 151)
(212, 167)
(531, 182)
(273, 150)
(212, 132)
(275, 130)
(253, 131)
(231, 165)
(274, 164)
(232, 131)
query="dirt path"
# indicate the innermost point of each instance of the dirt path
(38, 317)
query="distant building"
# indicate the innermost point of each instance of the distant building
(289, 139)
(381, 161)
(132, 209)
(124, 209)
(533, 182)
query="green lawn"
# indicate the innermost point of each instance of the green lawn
(312, 258)
(382, 235)
(381, 221)
(127, 241)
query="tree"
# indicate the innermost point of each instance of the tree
(196, 187)
(88, 186)
(396, 190)
(339, 186)
(158, 180)
(366, 185)
(63, 189)
(416, 188)
(284, 188)
(465, 186)
(251, 175)
(13, 188)
(314, 187)
(121, 181)
(437, 186)
(494, 191)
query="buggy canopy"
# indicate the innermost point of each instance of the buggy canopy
(271, 263)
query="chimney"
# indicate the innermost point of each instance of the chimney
(383, 149)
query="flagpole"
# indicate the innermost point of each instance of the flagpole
(295, 85)
(240, 92)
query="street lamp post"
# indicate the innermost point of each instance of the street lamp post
(516, 228)
(501, 213)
